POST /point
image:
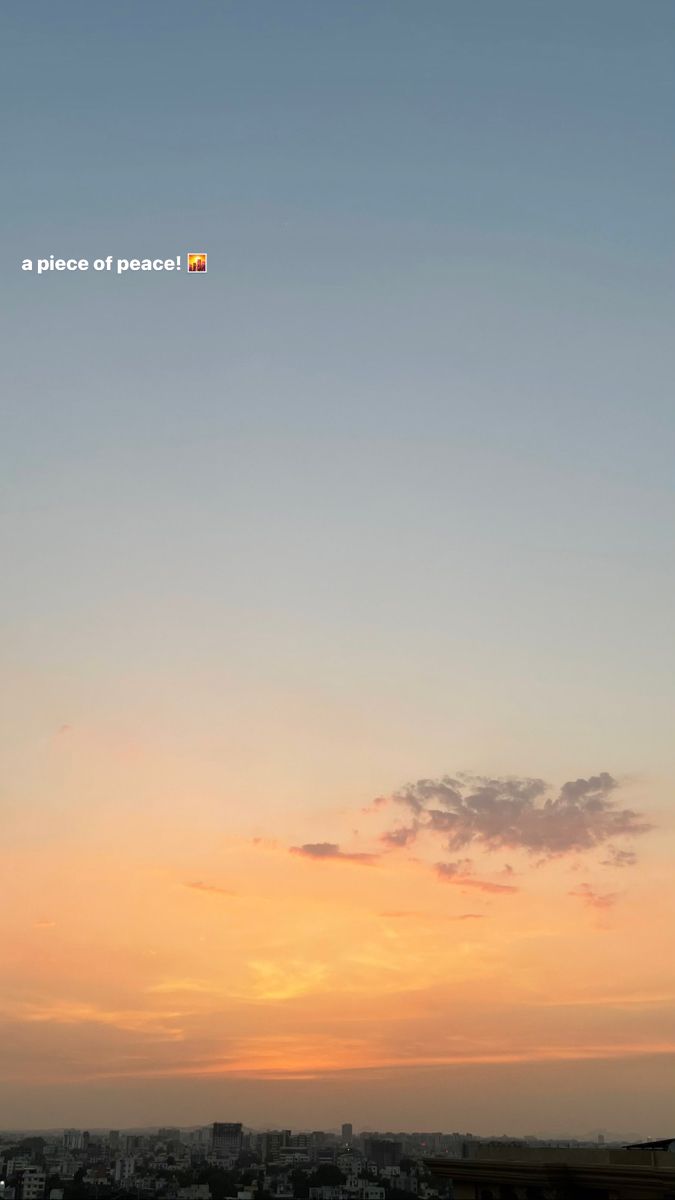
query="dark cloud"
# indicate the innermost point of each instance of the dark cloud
(332, 852)
(400, 837)
(460, 873)
(520, 814)
(199, 886)
(593, 899)
(455, 870)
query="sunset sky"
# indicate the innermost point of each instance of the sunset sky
(338, 587)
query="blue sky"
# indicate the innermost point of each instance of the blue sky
(425, 384)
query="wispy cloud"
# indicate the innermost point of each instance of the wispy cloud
(619, 858)
(199, 886)
(161, 1025)
(171, 986)
(331, 852)
(460, 874)
(376, 804)
(273, 980)
(404, 914)
(593, 899)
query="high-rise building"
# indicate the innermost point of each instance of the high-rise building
(273, 1142)
(226, 1138)
(384, 1152)
(347, 1133)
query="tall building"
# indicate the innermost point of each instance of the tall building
(273, 1142)
(384, 1152)
(347, 1133)
(226, 1138)
(125, 1169)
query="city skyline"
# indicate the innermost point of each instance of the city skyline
(337, 610)
(75, 1135)
(224, 1161)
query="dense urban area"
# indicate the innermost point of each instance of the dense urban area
(226, 1161)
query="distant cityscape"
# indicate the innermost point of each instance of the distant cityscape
(226, 1161)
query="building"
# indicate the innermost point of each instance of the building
(170, 1134)
(32, 1184)
(356, 1189)
(383, 1152)
(273, 1141)
(495, 1170)
(124, 1171)
(349, 1163)
(293, 1156)
(14, 1166)
(226, 1138)
(347, 1133)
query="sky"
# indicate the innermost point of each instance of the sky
(337, 718)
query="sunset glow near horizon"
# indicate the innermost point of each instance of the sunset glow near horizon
(337, 741)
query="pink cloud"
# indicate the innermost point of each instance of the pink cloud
(460, 874)
(593, 899)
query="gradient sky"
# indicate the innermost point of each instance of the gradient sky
(386, 496)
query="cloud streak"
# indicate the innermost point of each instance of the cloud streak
(593, 899)
(199, 886)
(406, 914)
(460, 874)
(331, 852)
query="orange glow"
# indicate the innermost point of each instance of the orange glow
(141, 947)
